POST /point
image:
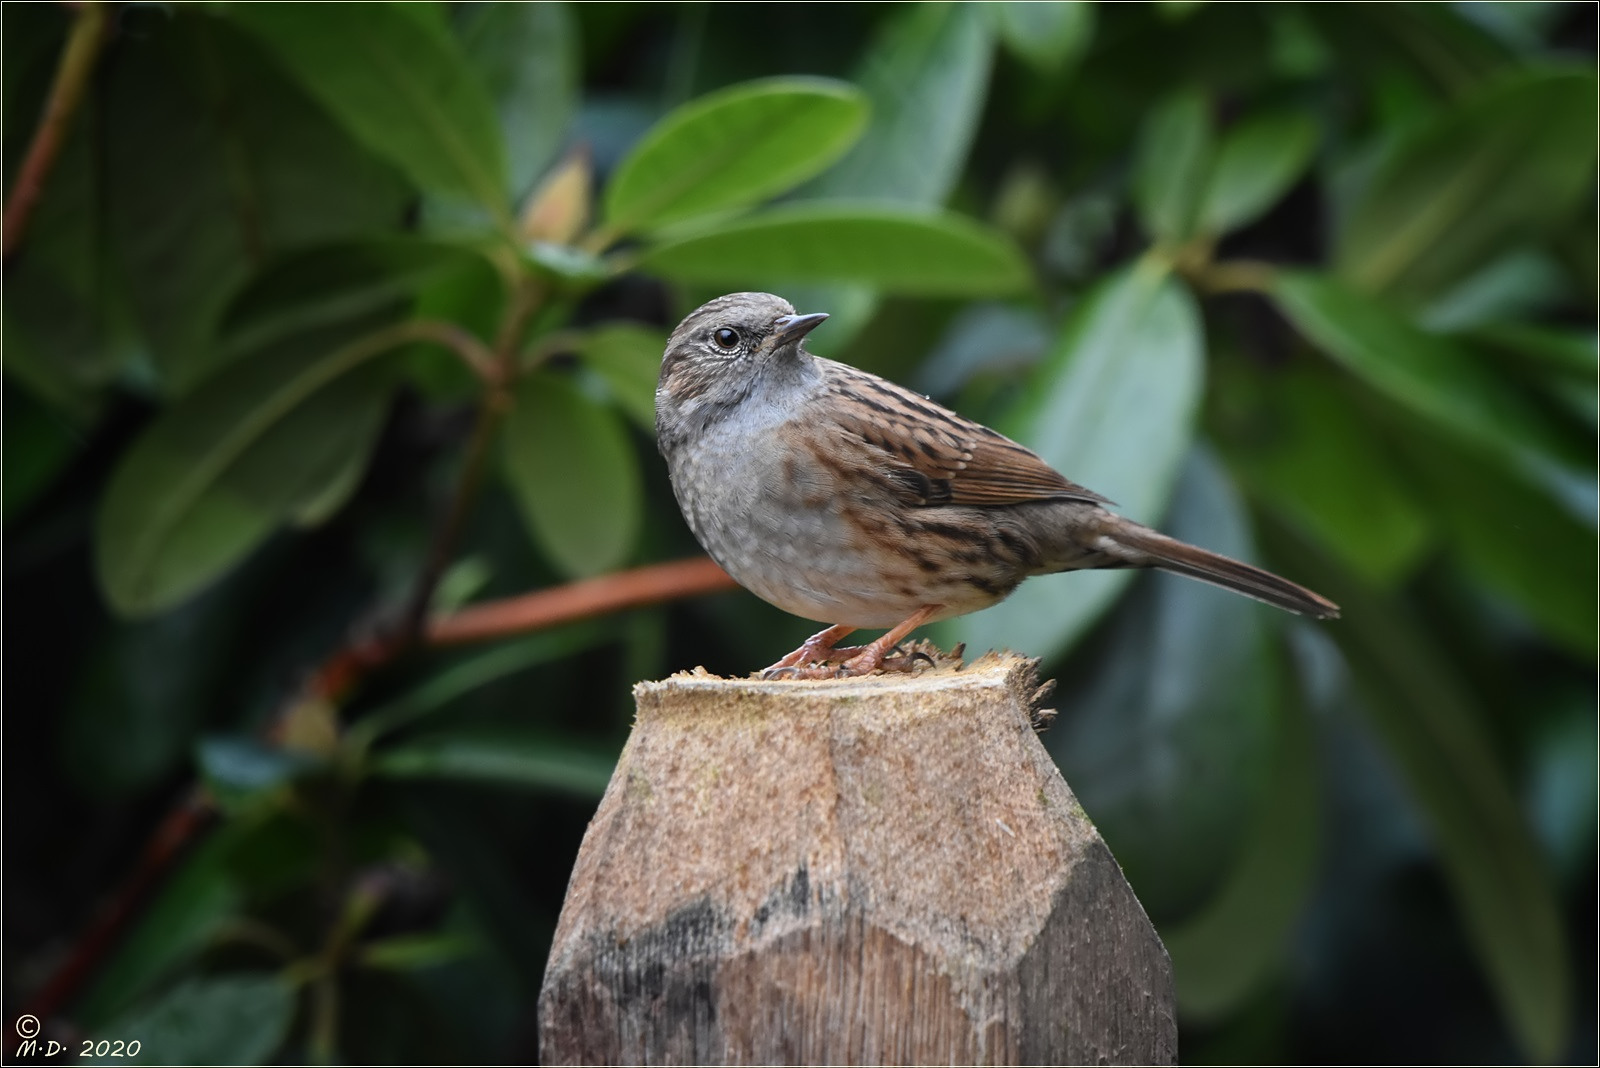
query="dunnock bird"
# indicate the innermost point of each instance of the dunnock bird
(844, 498)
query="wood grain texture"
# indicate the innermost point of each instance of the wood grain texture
(882, 870)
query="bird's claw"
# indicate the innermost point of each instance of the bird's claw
(906, 662)
(860, 661)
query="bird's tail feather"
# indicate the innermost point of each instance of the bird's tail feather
(1152, 549)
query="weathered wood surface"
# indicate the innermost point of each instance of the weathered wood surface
(885, 870)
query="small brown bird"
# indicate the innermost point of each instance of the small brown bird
(844, 498)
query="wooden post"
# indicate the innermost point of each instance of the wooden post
(882, 870)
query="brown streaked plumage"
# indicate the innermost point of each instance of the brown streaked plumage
(844, 498)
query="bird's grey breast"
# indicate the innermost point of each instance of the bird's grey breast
(759, 503)
(723, 465)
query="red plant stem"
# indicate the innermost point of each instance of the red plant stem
(72, 77)
(580, 600)
(640, 586)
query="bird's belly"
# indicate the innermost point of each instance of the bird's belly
(779, 535)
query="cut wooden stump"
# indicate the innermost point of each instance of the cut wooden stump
(881, 870)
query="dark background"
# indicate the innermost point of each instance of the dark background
(1367, 840)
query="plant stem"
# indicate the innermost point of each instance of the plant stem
(500, 374)
(324, 1017)
(1235, 276)
(478, 357)
(72, 77)
(581, 600)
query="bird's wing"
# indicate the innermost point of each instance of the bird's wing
(931, 454)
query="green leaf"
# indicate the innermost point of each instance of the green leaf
(1561, 362)
(141, 692)
(1568, 352)
(335, 282)
(1308, 450)
(471, 297)
(1427, 45)
(1505, 167)
(506, 757)
(1113, 408)
(733, 148)
(895, 249)
(1439, 740)
(1171, 722)
(926, 78)
(60, 344)
(400, 86)
(240, 769)
(412, 953)
(220, 470)
(1051, 36)
(1476, 501)
(220, 163)
(629, 359)
(1522, 285)
(225, 1019)
(1434, 376)
(1172, 167)
(1514, 539)
(1257, 162)
(570, 264)
(574, 474)
(341, 484)
(460, 583)
(1562, 799)
(477, 670)
(527, 56)
(1223, 955)
(434, 14)
(65, 318)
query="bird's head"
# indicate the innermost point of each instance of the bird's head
(726, 348)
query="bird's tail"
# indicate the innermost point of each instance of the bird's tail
(1144, 547)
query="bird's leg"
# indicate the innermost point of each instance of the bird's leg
(869, 659)
(817, 647)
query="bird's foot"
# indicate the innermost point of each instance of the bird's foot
(811, 660)
(814, 650)
(866, 660)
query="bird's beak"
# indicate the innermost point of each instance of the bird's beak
(791, 328)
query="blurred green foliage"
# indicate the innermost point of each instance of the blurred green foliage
(1307, 284)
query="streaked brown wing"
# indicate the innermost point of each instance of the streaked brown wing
(937, 456)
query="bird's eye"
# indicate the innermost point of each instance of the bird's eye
(726, 338)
